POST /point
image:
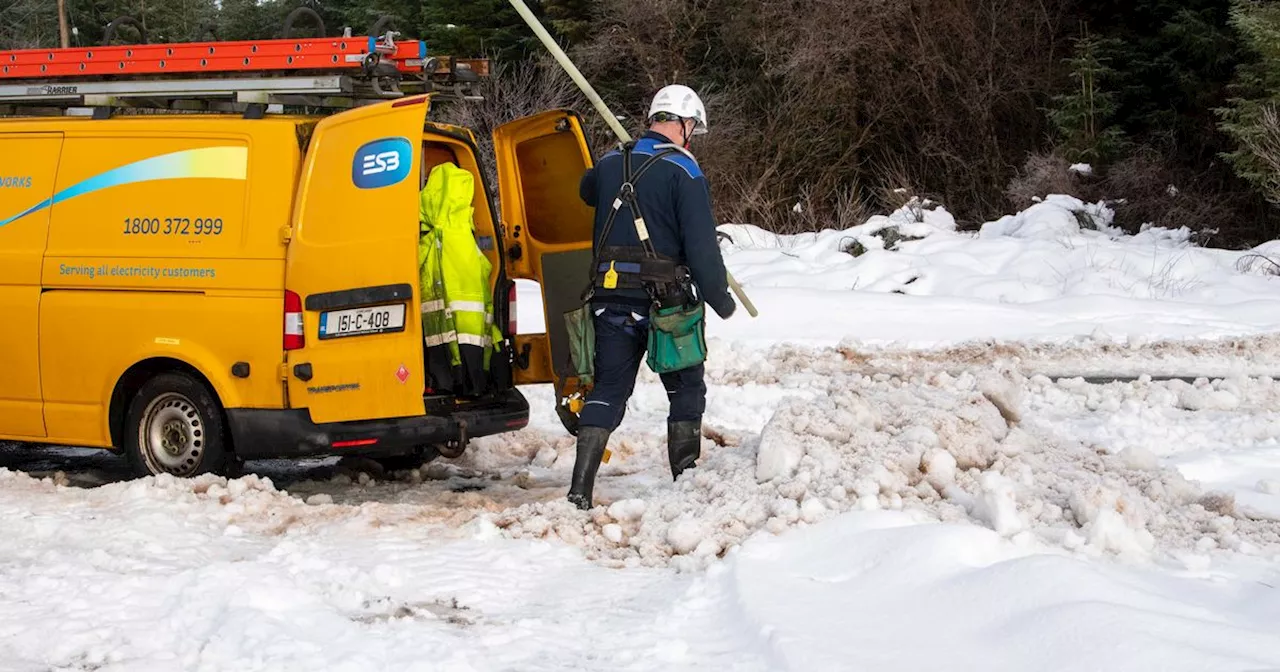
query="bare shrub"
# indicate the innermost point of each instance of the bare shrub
(738, 201)
(1258, 264)
(895, 186)
(515, 90)
(1149, 187)
(807, 98)
(1043, 174)
(850, 207)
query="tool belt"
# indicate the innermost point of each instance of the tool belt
(622, 267)
(633, 270)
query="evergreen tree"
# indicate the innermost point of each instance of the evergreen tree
(247, 20)
(476, 28)
(28, 24)
(1084, 117)
(1249, 117)
(361, 15)
(1173, 59)
(264, 19)
(180, 20)
(570, 19)
(162, 20)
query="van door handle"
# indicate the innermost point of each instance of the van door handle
(302, 371)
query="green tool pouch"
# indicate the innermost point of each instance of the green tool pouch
(581, 329)
(677, 338)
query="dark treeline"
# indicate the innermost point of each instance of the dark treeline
(851, 106)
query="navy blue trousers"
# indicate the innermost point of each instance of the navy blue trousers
(621, 341)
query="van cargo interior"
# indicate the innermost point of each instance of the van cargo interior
(435, 153)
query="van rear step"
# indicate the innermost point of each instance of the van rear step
(267, 433)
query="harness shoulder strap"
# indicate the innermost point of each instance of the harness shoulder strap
(627, 194)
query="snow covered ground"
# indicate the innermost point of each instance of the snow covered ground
(900, 470)
(1035, 276)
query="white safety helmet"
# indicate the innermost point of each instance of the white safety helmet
(682, 102)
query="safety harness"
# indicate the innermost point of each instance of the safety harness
(628, 267)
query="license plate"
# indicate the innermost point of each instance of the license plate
(362, 321)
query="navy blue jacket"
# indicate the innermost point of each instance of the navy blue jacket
(676, 203)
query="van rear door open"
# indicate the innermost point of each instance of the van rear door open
(547, 229)
(352, 268)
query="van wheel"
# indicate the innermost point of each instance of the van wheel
(174, 426)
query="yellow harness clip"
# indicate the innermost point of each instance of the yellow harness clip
(611, 278)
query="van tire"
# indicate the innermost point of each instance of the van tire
(175, 426)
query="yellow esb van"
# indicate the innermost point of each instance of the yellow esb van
(164, 279)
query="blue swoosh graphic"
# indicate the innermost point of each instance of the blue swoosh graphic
(230, 163)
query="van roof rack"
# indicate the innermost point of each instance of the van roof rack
(254, 76)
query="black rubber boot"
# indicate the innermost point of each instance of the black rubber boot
(591, 444)
(684, 445)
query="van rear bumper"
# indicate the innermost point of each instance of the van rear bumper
(269, 433)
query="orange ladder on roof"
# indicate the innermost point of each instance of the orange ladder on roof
(243, 56)
(323, 72)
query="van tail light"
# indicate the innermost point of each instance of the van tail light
(512, 323)
(294, 339)
(354, 443)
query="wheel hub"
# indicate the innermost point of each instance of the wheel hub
(174, 437)
(171, 435)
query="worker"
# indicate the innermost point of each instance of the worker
(681, 254)
(457, 299)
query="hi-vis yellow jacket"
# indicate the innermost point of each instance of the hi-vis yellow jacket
(457, 301)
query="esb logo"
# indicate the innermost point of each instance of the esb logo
(381, 163)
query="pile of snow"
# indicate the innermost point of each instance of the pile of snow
(1225, 432)
(1060, 247)
(952, 449)
(796, 435)
(876, 591)
(1056, 271)
(210, 574)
